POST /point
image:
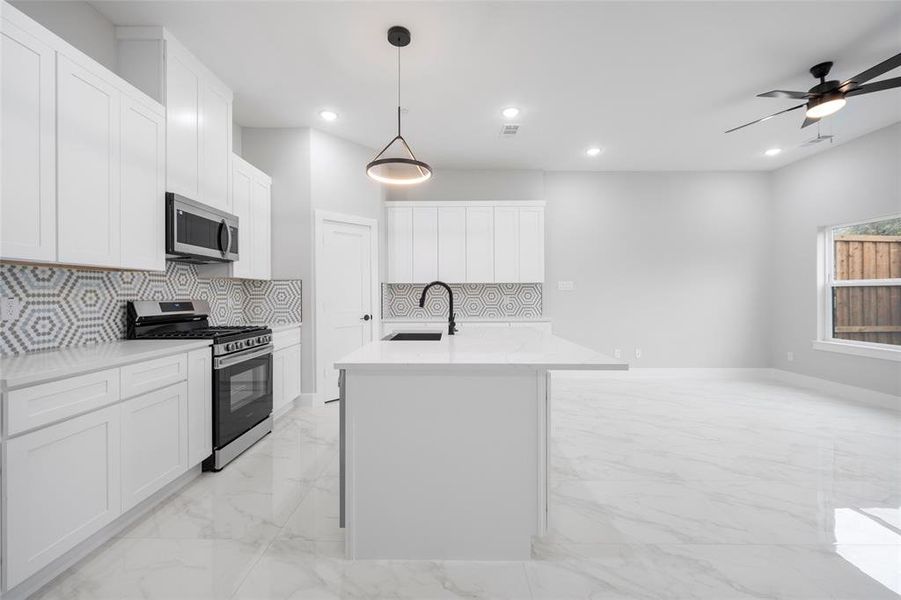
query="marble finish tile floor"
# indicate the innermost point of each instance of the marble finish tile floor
(662, 487)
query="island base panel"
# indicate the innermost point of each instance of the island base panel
(445, 464)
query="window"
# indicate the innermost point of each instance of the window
(863, 284)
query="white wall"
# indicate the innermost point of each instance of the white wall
(310, 170)
(450, 185)
(79, 24)
(854, 181)
(671, 263)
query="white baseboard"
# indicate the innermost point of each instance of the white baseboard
(664, 372)
(56, 568)
(846, 392)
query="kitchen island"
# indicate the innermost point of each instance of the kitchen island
(444, 443)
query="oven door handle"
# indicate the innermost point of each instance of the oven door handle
(234, 359)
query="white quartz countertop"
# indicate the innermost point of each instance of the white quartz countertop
(487, 347)
(402, 320)
(40, 367)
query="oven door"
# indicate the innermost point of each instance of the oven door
(242, 392)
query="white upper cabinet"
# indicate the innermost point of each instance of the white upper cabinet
(216, 145)
(400, 243)
(27, 146)
(252, 204)
(242, 188)
(198, 112)
(465, 242)
(182, 100)
(88, 169)
(143, 184)
(261, 221)
(506, 251)
(479, 244)
(531, 244)
(83, 162)
(452, 244)
(425, 244)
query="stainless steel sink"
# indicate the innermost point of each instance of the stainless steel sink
(415, 336)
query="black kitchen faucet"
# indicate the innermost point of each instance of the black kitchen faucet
(451, 325)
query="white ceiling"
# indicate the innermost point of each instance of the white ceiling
(655, 84)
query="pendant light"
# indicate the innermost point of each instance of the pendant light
(400, 170)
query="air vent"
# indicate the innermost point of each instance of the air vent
(509, 130)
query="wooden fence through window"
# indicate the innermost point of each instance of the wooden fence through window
(868, 313)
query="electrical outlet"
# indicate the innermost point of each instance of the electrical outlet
(618, 353)
(565, 286)
(638, 353)
(10, 309)
(790, 356)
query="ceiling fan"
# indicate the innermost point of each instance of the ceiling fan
(828, 97)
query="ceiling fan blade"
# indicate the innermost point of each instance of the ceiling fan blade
(883, 67)
(876, 86)
(808, 122)
(767, 118)
(784, 94)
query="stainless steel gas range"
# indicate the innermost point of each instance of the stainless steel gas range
(242, 370)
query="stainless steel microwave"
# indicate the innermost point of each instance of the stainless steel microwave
(197, 233)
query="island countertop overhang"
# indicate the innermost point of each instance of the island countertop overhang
(491, 348)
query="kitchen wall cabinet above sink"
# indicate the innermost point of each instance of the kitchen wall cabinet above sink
(465, 242)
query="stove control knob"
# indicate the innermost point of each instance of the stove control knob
(229, 347)
(239, 345)
(261, 339)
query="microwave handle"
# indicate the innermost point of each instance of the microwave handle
(224, 248)
(229, 230)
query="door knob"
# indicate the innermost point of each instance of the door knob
(366, 317)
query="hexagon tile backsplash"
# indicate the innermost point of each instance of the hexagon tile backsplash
(62, 307)
(471, 300)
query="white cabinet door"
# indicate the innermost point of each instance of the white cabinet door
(200, 405)
(400, 244)
(215, 145)
(531, 244)
(425, 244)
(452, 244)
(506, 251)
(182, 124)
(87, 166)
(479, 244)
(143, 185)
(154, 442)
(261, 206)
(242, 186)
(279, 383)
(27, 146)
(62, 484)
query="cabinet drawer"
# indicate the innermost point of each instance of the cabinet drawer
(42, 404)
(154, 374)
(288, 337)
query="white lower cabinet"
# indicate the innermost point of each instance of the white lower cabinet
(154, 442)
(88, 455)
(285, 377)
(200, 405)
(62, 484)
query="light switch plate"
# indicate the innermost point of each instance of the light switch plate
(565, 286)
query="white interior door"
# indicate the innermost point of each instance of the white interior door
(344, 296)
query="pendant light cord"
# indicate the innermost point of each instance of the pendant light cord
(398, 90)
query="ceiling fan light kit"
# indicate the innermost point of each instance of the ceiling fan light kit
(828, 97)
(398, 170)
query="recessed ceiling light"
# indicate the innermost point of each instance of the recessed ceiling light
(328, 115)
(593, 151)
(510, 112)
(773, 151)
